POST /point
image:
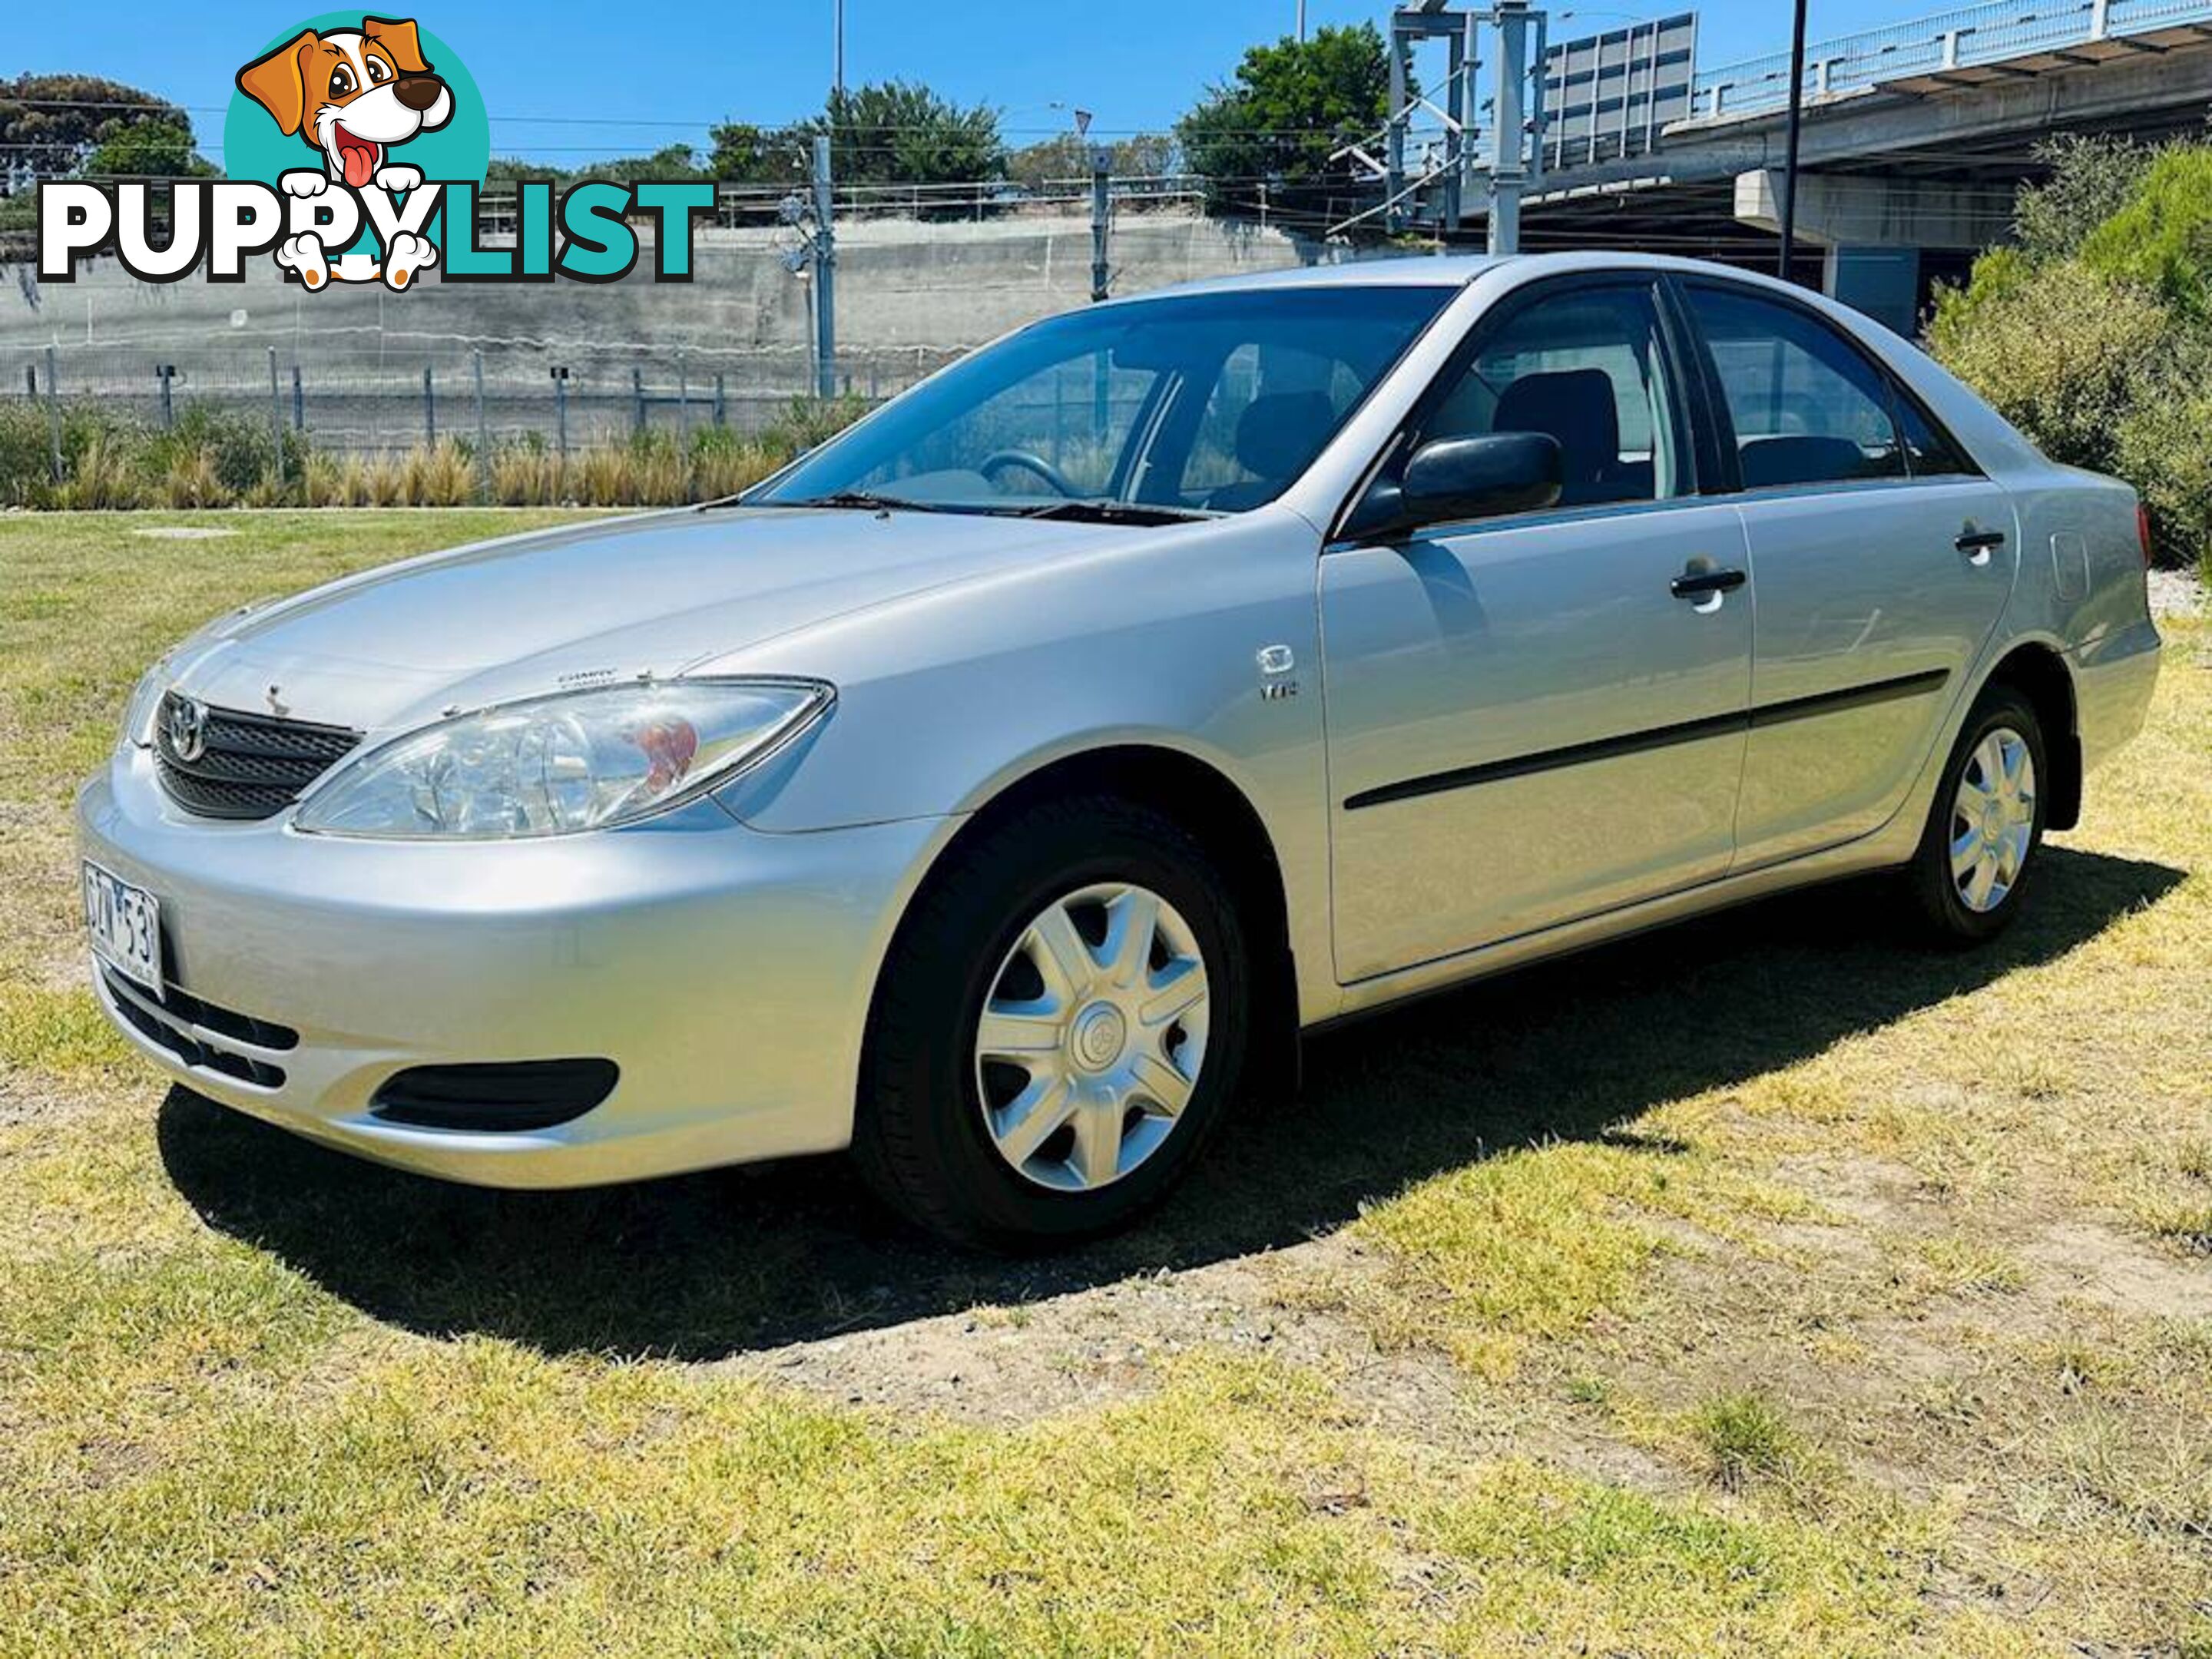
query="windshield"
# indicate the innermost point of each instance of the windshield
(1187, 405)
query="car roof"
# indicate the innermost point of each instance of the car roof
(1450, 270)
(1390, 270)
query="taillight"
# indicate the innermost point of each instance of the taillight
(2142, 531)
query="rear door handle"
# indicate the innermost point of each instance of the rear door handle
(1979, 544)
(1695, 582)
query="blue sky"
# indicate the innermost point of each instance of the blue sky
(568, 79)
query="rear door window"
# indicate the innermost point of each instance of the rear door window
(1806, 406)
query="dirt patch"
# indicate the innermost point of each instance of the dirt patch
(2083, 1258)
(1107, 1342)
(26, 1098)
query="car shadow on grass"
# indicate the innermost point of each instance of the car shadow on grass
(703, 1267)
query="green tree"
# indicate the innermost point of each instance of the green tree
(747, 155)
(1057, 160)
(1291, 106)
(51, 123)
(507, 169)
(900, 132)
(893, 132)
(148, 149)
(672, 161)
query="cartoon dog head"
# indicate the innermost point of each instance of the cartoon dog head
(351, 94)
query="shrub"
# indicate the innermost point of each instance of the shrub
(440, 475)
(386, 477)
(26, 464)
(722, 463)
(233, 448)
(2060, 351)
(192, 480)
(324, 482)
(102, 476)
(217, 457)
(2093, 336)
(2090, 180)
(525, 474)
(2161, 235)
(806, 422)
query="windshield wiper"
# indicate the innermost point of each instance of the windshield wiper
(859, 500)
(1105, 512)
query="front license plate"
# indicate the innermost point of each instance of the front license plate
(125, 925)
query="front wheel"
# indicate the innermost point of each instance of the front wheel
(1985, 826)
(1064, 1018)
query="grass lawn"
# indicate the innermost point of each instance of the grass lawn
(1772, 1285)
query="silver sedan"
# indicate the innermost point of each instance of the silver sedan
(1000, 789)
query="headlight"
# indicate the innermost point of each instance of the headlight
(583, 760)
(145, 701)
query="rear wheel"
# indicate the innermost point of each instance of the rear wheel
(1063, 1019)
(1985, 826)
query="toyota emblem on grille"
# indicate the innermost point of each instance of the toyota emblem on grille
(187, 726)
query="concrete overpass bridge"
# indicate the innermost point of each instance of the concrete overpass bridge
(1915, 139)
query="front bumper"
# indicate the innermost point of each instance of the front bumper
(726, 973)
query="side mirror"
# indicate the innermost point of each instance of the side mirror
(1448, 479)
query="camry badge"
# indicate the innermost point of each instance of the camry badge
(187, 721)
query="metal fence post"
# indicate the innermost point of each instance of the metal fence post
(721, 403)
(560, 374)
(299, 401)
(429, 409)
(276, 419)
(1101, 161)
(682, 406)
(53, 415)
(636, 400)
(165, 373)
(484, 434)
(825, 272)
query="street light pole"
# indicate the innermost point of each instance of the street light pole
(837, 53)
(1790, 156)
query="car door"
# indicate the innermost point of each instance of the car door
(1526, 721)
(1882, 562)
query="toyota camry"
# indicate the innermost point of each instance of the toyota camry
(1001, 789)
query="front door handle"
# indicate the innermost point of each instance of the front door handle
(1694, 583)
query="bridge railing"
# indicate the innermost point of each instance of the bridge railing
(1959, 38)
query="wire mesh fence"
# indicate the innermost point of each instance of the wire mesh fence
(572, 395)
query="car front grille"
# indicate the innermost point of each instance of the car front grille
(248, 766)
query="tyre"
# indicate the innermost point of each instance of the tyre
(1062, 1020)
(1985, 826)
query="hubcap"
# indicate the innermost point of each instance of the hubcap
(1992, 819)
(1091, 1036)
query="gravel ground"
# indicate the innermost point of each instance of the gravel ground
(2176, 593)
